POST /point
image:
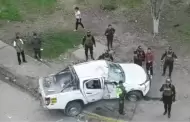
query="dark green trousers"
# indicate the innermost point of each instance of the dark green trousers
(121, 106)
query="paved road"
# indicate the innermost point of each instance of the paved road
(16, 105)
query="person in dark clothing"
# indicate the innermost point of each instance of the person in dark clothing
(169, 57)
(121, 93)
(168, 96)
(78, 18)
(19, 46)
(136, 59)
(88, 43)
(106, 56)
(149, 58)
(109, 33)
(36, 43)
(140, 54)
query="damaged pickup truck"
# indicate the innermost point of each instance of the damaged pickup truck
(88, 82)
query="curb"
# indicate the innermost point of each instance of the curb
(101, 118)
(23, 83)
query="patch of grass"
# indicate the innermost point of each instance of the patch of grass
(184, 32)
(13, 9)
(55, 44)
(111, 5)
(9, 10)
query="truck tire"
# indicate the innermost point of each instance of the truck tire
(134, 96)
(73, 108)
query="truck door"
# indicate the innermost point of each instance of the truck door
(93, 89)
(109, 91)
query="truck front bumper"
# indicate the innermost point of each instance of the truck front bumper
(146, 88)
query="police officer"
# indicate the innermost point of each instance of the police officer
(140, 55)
(106, 56)
(88, 43)
(109, 33)
(168, 96)
(136, 59)
(169, 57)
(121, 93)
(36, 43)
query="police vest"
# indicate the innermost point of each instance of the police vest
(118, 91)
(167, 91)
(88, 40)
(169, 56)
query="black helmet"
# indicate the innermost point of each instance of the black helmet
(168, 80)
(120, 82)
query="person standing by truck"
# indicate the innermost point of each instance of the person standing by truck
(149, 58)
(121, 93)
(88, 43)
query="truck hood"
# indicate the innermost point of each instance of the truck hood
(134, 74)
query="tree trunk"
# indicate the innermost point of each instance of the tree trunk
(155, 25)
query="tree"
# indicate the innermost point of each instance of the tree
(156, 9)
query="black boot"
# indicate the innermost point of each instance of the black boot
(92, 57)
(165, 113)
(169, 115)
(86, 58)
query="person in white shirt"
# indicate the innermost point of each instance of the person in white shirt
(19, 46)
(78, 18)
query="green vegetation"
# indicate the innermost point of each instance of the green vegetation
(114, 4)
(55, 44)
(15, 9)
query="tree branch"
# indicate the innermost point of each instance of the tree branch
(160, 9)
(152, 8)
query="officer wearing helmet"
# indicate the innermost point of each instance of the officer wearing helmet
(106, 56)
(169, 57)
(140, 55)
(88, 43)
(168, 96)
(121, 93)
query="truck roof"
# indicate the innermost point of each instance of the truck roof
(91, 69)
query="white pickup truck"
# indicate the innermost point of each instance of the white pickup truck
(91, 81)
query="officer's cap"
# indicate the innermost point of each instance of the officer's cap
(88, 31)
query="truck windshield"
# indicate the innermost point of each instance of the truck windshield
(115, 72)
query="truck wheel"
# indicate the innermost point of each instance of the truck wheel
(73, 109)
(134, 96)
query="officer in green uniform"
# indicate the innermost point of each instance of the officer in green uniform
(168, 96)
(88, 43)
(121, 93)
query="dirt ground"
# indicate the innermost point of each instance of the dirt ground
(128, 37)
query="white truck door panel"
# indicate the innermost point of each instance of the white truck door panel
(110, 91)
(93, 95)
(93, 90)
